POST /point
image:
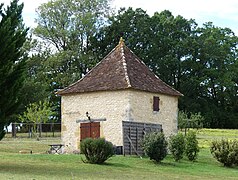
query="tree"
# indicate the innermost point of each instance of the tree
(36, 84)
(64, 30)
(66, 26)
(211, 83)
(132, 25)
(171, 46)
(12, 61)
(37, 113)
(190, 120)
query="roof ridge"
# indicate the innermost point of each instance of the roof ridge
(120, 69)
(143, 63)
(124, 63)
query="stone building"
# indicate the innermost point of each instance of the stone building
(119, 88)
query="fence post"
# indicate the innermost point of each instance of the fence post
(53, 129)
(14, 130)
(29, 131)
(40, 129)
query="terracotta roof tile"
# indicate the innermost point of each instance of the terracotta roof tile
(120, 69)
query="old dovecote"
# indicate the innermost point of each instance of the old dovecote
(119, 88)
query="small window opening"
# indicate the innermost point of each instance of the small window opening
(156, 103)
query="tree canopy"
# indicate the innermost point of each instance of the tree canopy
(67, 27)
(12, 61)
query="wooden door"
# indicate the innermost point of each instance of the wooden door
(89, 130)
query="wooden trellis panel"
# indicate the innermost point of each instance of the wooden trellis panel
(133, 133)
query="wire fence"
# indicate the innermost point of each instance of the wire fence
(34, 130)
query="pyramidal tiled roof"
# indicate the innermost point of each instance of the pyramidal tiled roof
(120, 69)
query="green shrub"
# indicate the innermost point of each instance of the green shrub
(177, 146)
(96, 151)
(191, 147)
(155, 146)
(235, 149)
(225, 151)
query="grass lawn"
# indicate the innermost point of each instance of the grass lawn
(40, 165)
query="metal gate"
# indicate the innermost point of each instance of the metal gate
(133, 133)
(89, 130)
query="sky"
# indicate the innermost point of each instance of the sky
(221, 13)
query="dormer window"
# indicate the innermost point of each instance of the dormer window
(156, 103)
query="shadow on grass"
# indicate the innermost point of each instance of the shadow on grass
(166, 164)
(54, 170)
(116, 165)
(32, 170)
(111, 164)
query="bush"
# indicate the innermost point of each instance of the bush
(235, 148)
(225, 152)
(155, 146)
(177, 146)
(96, 151)
(191, 147)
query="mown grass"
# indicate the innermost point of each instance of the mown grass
(205, 136)
(15, 145)
(45, 166)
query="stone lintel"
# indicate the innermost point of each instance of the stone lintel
(91, 120)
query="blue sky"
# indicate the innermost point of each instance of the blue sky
(221, 13)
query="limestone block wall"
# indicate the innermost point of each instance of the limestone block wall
(109, 104)
(141, 110)
(115, 106)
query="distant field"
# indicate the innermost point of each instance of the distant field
(14, 145)
(205, 136)
(40, 165)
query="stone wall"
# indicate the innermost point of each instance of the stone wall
(141, 110)
(115, 106)
(110, 105)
